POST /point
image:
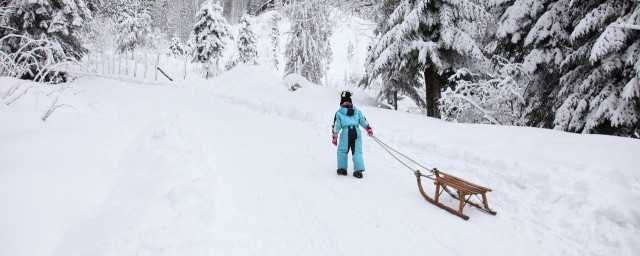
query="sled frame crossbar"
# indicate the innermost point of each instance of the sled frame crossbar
(463, 191)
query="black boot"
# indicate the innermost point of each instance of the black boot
(342, 172)
(358, 174)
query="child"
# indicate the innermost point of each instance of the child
(347, 120)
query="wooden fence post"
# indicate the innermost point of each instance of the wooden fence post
(119, 64)
(102, 62)
(145, 65)
(185, 67)
(135, 66)
(156, 66)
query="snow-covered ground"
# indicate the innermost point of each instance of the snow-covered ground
(238, 165)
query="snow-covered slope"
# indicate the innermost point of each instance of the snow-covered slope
(238, 165)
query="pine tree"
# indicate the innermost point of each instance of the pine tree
(53, 20)
(422, 39)
(175, 46)
(209, 34)
(274, 34)
(584, 77)
(133, 30)
(600, 89)
(47, 28)
(308, 51)
(247, 49)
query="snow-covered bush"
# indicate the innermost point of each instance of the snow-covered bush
(158, 40)
(37, 60)
(495, 97)
(209, 34)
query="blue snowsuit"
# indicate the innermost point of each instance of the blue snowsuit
(347, 120)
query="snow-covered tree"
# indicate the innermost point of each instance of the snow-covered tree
(175, 46)
(350, 51)
(420, 42)
(133, 30)
(600, 90)
(37, 34)
(247, 48)
(209, 34)
(157, 39)
(495, 97)
(274, 34)
(308, 51)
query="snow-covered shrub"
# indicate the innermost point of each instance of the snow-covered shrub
(157, 40)
(495, 97)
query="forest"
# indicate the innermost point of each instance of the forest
(569, 65)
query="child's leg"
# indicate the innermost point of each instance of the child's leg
(343, 149)
(358, 161)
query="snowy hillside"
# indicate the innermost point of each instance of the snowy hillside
(238, 165)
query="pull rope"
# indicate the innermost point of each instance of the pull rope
(391, 152)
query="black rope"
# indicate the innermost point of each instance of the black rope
(389, 149)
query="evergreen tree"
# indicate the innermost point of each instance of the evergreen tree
(308, 51)
(536, 32)
(209, 34)
(600, 90)
(422, 39)
(133, 30)
(175, 46)
(46, 28)
(247, 49)
(274, 34)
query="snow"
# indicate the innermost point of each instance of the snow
(239, 165)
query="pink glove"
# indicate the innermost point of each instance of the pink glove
(369, 131)
(335, 140)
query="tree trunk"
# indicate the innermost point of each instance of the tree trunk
(433, 85)
(395, 100)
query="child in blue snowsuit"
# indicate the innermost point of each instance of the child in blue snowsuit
(345, 123)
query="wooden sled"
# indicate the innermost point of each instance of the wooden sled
(464, 191)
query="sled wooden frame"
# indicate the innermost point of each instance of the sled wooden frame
(464, 192)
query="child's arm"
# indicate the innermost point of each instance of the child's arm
(337, 126)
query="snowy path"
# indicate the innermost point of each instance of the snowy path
(226, 167)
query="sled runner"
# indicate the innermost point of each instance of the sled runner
(460, 189)
(464, 192)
